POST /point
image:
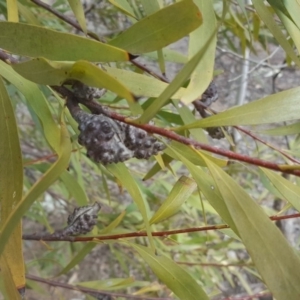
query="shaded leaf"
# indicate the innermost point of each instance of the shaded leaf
(43, 71)
(115, 223)
(160, 29)
(283, 130)
(273, 257)
(11, 186)
(86, 249)
(268, 19)
(74, 188)
(175, 277)
(39, 187)
(110, 284)
(35, 41)
(36, 101)
(121, 172)
(287, 189)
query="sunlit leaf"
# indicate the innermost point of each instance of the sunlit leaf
(160, 29)
(108, 284)
(12, 10)
(283, 130)
(35, 41)
(261, 111)
(180, 192)
(43, 71)
(174, 86)
(78, 11)
(203, 73)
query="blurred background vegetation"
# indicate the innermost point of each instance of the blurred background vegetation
(251, 62)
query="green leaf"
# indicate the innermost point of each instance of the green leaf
(261, 111)
(273, 257)
(74, 188)
(43, 71)
(180, 192)
(110, 284)
(86, 249)
(36, 101)
(193, 154)
(268, 19)
(175, 277)
(160, 29)
(203, 73)
(78, 11)
(39, 187)
(121, 172)
(206, 185)
(290, 26)
(287, 189)
(141, 85)
(178, 81)
(293, 9)
(283, 130)
(7, 286)
(11, 185)
(125, 7)
(115, 223)
(12, 10)
(35, 41)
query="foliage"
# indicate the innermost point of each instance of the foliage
(175, 219)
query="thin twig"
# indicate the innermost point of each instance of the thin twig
(87, 290)
(96, 108)
(47, 237)
(91, 35)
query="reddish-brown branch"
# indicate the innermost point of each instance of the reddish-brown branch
(91, 35)
(36, 237)
(87, 290)
(267, 144)
(98, 109)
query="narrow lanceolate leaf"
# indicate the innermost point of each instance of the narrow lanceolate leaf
(7, 286)
(160, 29)
(265, 14)
(78, 11)
(39, 187)
(203, 73)
(11, 186)
(36, 41)
(290, 26)
(273, 257)
(293, 8)
(121, 172)
(174, 86)
(43, 71)
(125, 7)
(180, 192)
(12, 10)
(86, 249)
(287, 189)
(181, 283)
(37, 101)
(283, 106)
(283, 130)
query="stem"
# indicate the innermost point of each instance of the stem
(47, 237)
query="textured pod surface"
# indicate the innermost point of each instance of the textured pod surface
(109, 141)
